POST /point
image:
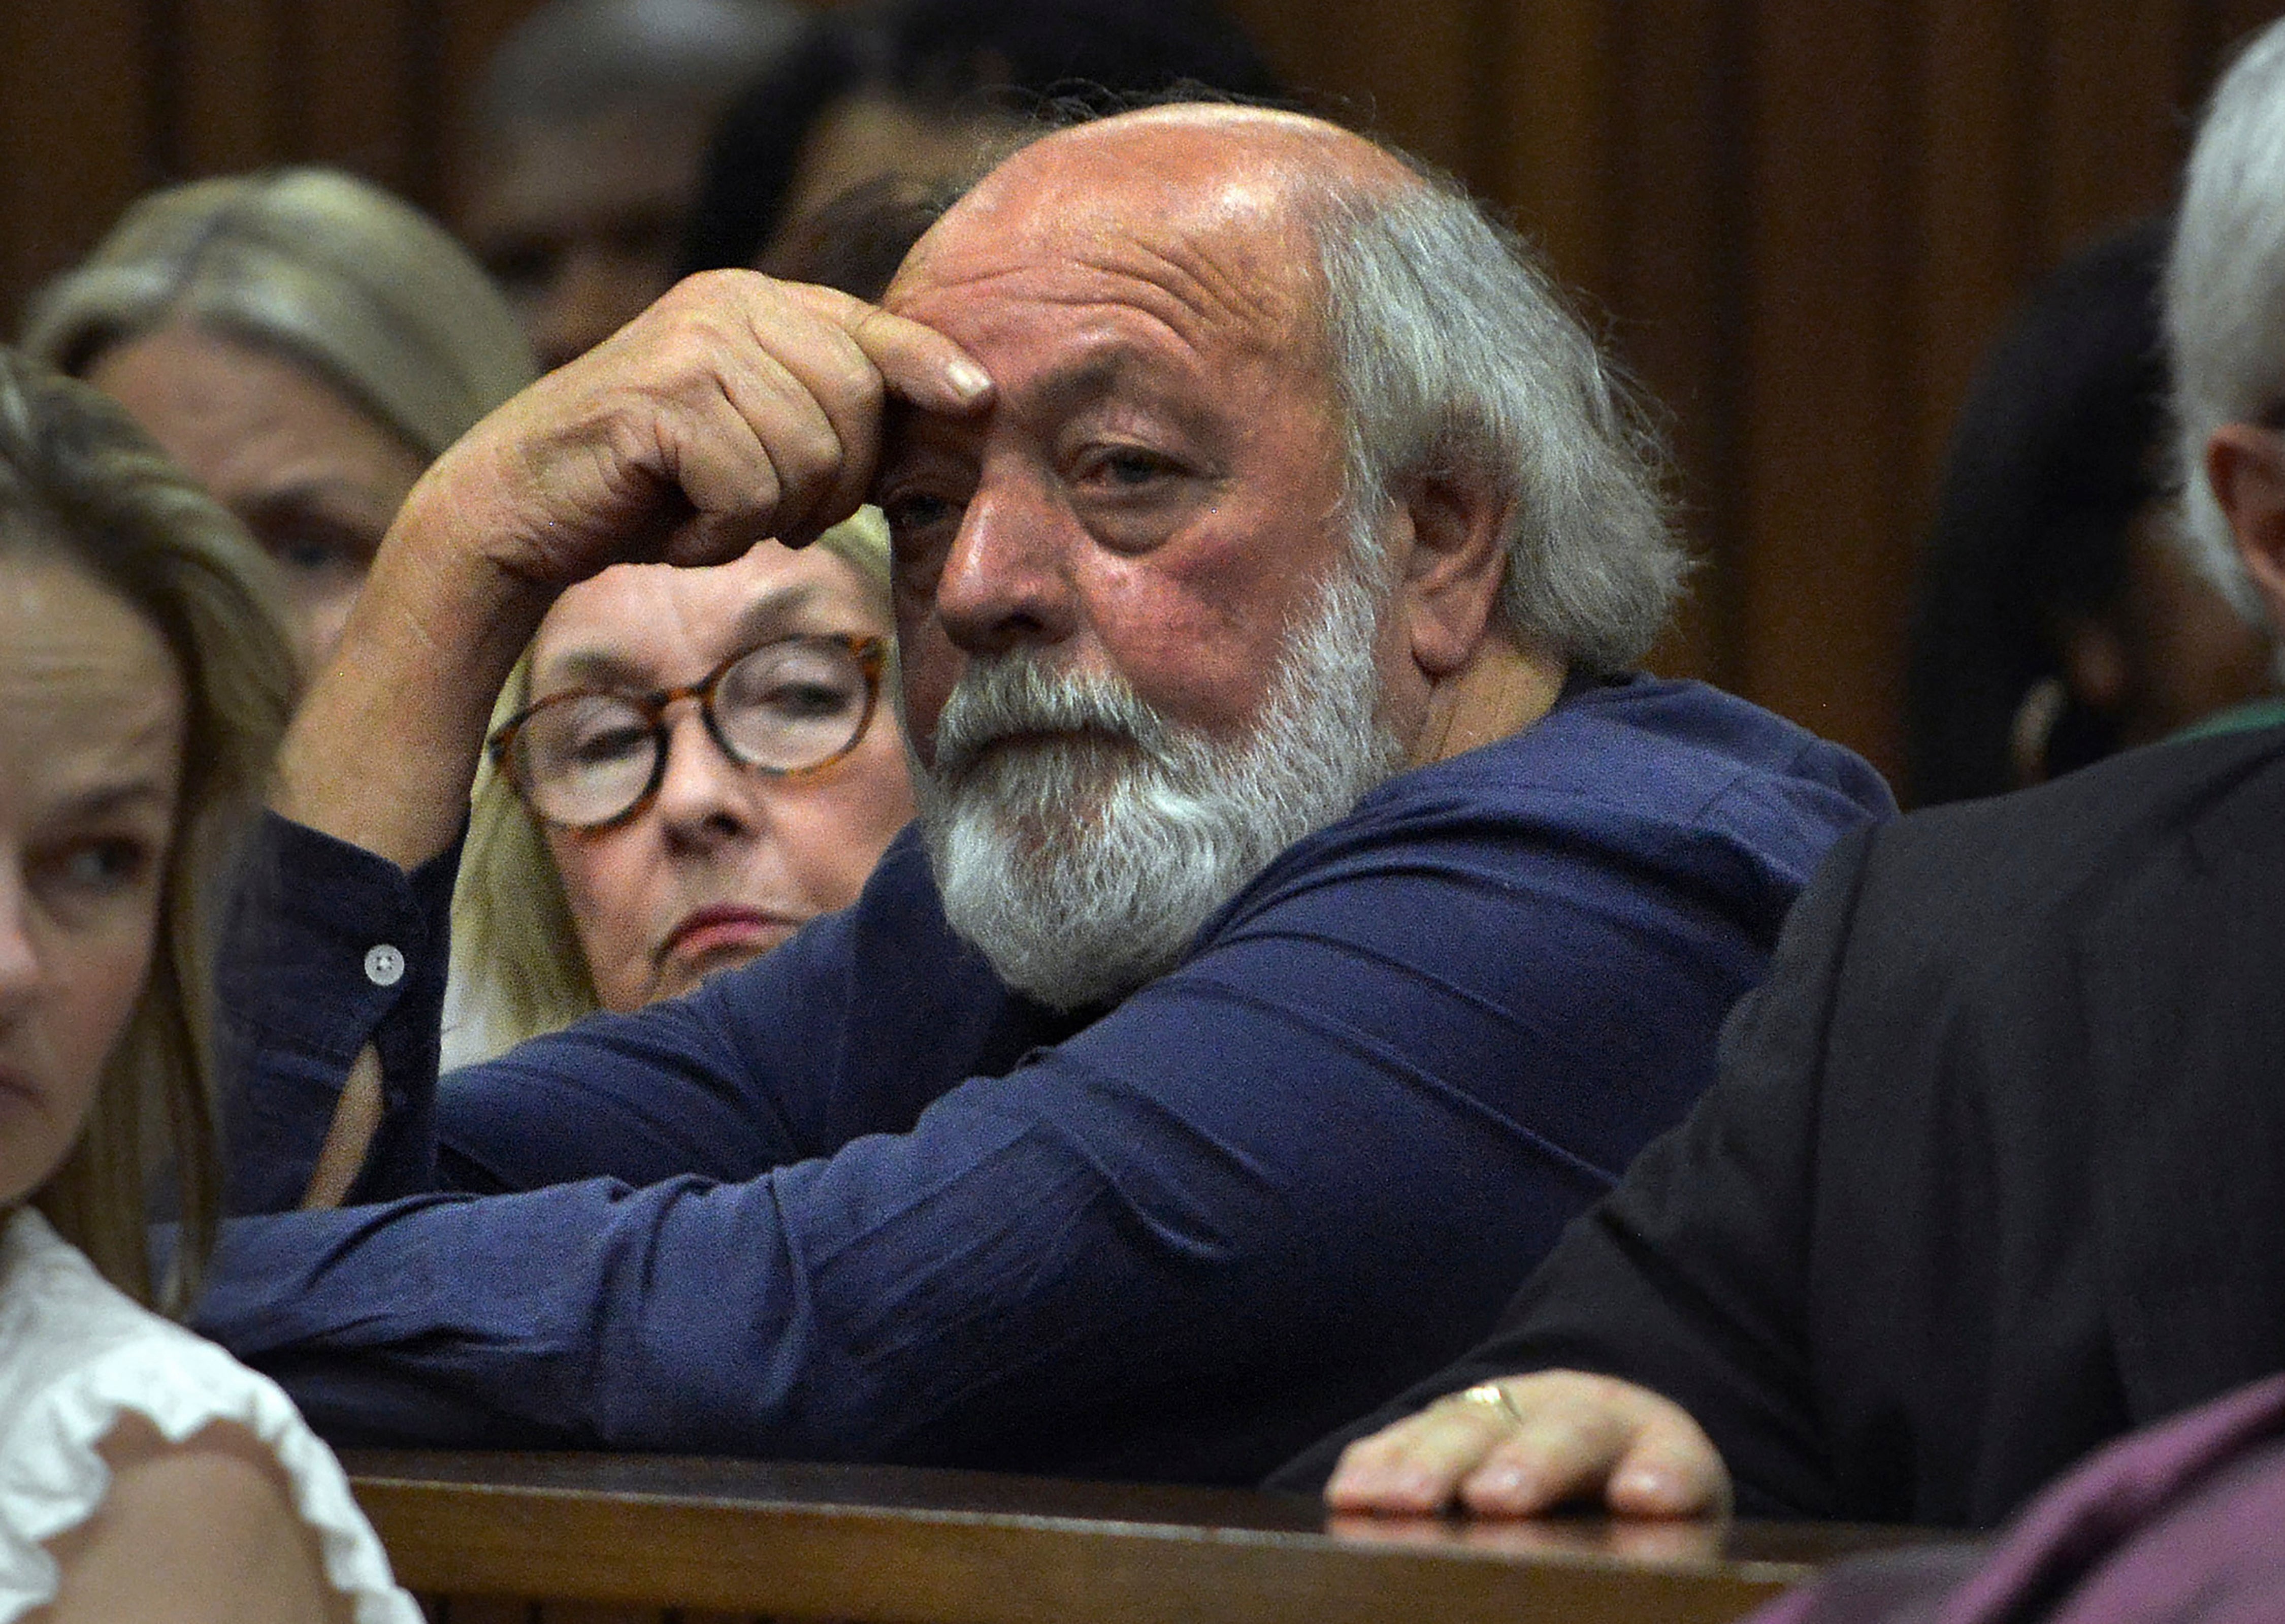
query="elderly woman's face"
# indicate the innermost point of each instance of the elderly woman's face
(315, 479)
(723, 862)
(91, 719)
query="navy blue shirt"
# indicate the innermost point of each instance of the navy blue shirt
(858, 1201)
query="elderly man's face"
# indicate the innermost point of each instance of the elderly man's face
(1157, 492)
(1142, 656)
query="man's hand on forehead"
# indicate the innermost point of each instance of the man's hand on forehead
(736, 408)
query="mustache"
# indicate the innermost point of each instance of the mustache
(1014, 694)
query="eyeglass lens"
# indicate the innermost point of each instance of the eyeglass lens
(589, 757)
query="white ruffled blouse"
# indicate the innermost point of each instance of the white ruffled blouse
(75, 1356)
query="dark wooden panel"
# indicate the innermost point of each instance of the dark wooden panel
(240, 104)
(1826, 574)
(634, 1533)
(1976, 235)
(2114, 134)
(466, 32)
(1553, 111)
(1677, 293)
(366, 93)
(1407, 71)
(76, 84)
(481, 1610)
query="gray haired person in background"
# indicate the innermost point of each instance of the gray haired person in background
(300, 341)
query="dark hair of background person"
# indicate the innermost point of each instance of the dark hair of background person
(2062, 444)
(569, 57)
(579, 155)
(856, 242)
(950, 60)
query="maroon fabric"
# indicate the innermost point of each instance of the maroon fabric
(2180, 1522)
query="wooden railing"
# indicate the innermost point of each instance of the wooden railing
(567, 1538)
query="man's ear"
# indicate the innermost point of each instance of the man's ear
(1452, 572)
(2245, 464)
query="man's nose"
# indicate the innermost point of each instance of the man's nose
(705, 797)
(1006, 581)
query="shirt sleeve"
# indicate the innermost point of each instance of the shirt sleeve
(327, 948)
(1266, 1190)
(1692, 1277)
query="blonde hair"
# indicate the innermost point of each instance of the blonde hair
(317, 266)
(515, 946)
(79, 479)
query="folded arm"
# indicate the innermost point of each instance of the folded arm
(1202, 1216)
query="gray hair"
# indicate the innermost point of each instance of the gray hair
(2226, 295)
(572, 58)
(312, 264)
(1454, 353)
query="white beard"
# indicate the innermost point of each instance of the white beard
(1083, 863)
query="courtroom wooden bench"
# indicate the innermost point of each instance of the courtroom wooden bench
(586, 1539)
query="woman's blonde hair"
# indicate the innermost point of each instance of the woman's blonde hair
(79, 480)
(516, 948)
(318, 267)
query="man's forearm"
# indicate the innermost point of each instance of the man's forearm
(385, 747)
(735, 409)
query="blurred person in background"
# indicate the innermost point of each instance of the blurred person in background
(918, 89)
(622, 849)
(2060, 617)
(583, 146)
(304, 344)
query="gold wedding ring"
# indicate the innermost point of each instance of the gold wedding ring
(1491, 1396)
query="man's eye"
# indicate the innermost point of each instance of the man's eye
(912, 512)
(1131, 469)
(307, 556)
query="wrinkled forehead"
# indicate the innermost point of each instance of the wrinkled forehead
(1199, 214)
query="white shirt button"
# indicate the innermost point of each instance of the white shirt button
(384, 966)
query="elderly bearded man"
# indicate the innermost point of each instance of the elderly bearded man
(1232, 469)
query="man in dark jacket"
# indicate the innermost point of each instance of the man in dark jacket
(1995, 1168)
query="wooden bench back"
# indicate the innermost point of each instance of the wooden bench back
(560, 1539)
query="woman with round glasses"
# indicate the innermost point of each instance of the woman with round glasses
(687, 765)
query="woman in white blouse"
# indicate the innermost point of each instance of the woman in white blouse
(143, 684)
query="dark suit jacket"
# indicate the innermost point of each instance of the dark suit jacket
(1994, 1168)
